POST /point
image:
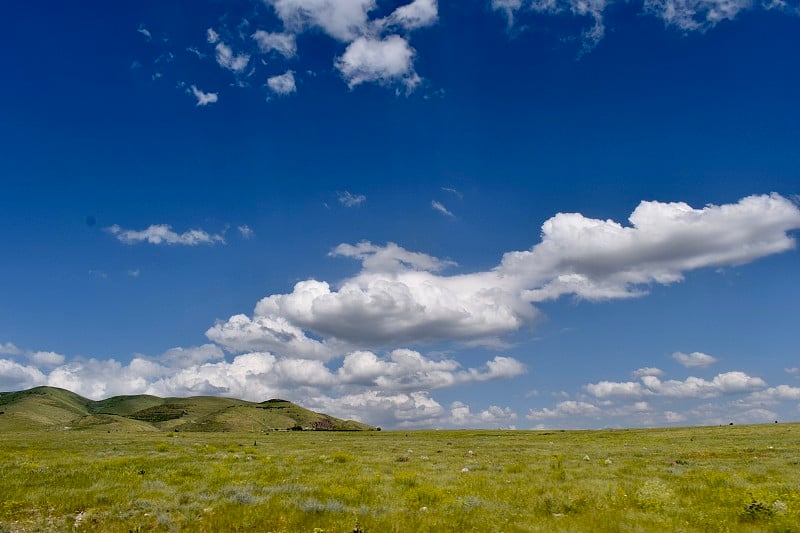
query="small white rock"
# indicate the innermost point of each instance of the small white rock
(465, 470)
(608, 461)
(586, 458)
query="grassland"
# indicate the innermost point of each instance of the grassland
(731, 478)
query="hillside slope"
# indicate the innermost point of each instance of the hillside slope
(50, 408)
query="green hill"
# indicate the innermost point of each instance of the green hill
(50, 408)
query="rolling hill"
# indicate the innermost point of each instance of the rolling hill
(50, 408)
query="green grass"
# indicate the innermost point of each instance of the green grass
(731, 478)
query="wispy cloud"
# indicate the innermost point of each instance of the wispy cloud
(245, 231)
(203, 98)
(438, 206)
(144, 31)
(348, 199)
(451, 190)
(163, 234)
(227, 59)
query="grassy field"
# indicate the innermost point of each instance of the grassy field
(731, 478)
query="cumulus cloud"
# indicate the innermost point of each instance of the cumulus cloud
(227, 59)
(570, 408)
(283, 43)
(211, 36)
(14, 376)
(282, 84)
(494, 416)
(774, 394)
(241, 333)
(414, 409)
(8, 348)
(647, 371)
(694, 359)
(349, 199)
(392, 389)
(203, 98)
(187, 357)
(692, 387)
(385, 61)
(602, 259)
(438, 206)
(407, 370)
(402, 298)
(46, 359)
(341, 19)
(163, 234)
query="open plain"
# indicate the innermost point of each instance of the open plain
(728, 478)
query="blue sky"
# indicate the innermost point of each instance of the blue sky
(491, 213)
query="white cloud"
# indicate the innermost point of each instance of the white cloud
(415, 409)
(46, 359)
(494, 416)
(438, 206)
(240, 333)
(389, 258)
(694, 359)
(203, 98)
(283, 43)
(349, 199)
(647, 371)
(282, 84)
(775, 394)
(569, 408)
(407, 370)
(385, 61)
(14, 376)
(692, 387)
(211, 36)
(793, 370)
(186, 357)
(689, 15)
(612, 389)
(390, 390)
(227, 59)
(163, 234)
(342, 19)
(417, 14)
(597, 259)
(134, 273)
(8, 348)
(245, 231)
(401, 298)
